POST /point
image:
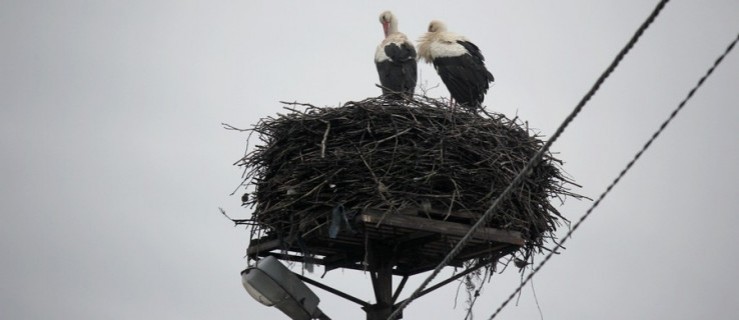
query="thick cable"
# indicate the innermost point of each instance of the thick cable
(618, 178)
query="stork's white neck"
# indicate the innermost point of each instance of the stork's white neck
(392, 27)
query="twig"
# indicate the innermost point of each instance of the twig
(325, 137)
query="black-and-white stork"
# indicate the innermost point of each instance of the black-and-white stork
(395, 59)
(458, 62)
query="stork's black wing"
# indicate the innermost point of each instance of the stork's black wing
(474, 51)
(465, 75)
(398, 74)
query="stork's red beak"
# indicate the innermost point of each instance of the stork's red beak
(385, 27)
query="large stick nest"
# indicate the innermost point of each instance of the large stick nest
(394, 154)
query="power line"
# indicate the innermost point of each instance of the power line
(618, 178)
(534, 160)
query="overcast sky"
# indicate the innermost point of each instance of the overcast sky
(114, 162)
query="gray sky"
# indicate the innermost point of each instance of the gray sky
(114, 162)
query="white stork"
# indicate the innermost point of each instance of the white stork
(458, 62)
(395, 59)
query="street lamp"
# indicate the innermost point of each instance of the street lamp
(273, 284)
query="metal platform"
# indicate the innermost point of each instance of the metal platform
(411, 241)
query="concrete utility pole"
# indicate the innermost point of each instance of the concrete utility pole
(381, 272)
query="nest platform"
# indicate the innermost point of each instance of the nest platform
(397, 180)
(415, 243)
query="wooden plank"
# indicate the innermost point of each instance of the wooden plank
(413, 240)
(436, 212)
(342, 259)
(479, 250)
(370, 219)
(418, 268)
(445, 213)
(296, 258)
(264, 246)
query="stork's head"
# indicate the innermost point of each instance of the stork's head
(389, 23)
(437, 26)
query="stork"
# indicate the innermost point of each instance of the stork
(458, 62)
(395, 59)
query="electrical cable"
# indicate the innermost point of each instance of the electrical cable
(534, 160)
(618, 178)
